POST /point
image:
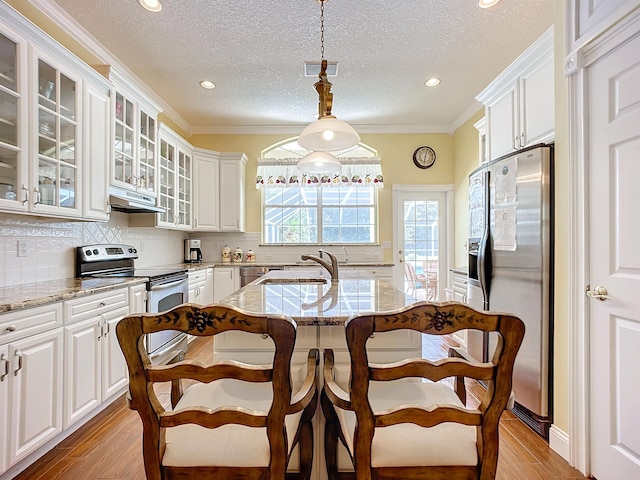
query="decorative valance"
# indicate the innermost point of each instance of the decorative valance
(282, 172)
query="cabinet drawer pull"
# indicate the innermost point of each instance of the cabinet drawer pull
(265, 335)
(3, 358)
(11, 328)
(19, 355)
(102, 304)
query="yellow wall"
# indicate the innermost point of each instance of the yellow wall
(466, 159)
(395, 150)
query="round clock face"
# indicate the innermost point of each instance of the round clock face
(424, 157)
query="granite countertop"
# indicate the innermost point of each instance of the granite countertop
(33, 294)
(309, 301)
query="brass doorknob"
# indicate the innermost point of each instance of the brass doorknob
(599, 292)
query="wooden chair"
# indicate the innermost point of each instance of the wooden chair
(236, 421)
(394, 424)
(415, 280)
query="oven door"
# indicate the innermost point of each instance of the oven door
(161, 298)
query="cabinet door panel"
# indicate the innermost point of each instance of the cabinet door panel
(537, 105)
(36, 393)
(5, 372)
(115, 374)
(83, 369)
(97, 152)
(502, 120)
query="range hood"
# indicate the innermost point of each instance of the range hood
(123, 200)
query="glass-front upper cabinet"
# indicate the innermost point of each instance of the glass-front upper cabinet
(13, 169)
(175, 168)
(57, 139)
(134, 165)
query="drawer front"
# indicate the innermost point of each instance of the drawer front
(23, 323)
(334, 337)
(459, 282)
(82, 308)
(199, 276)
(243, 341)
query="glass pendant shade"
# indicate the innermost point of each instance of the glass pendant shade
(328, 134)
(319, 162)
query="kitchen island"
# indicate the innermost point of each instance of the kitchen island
(320, 307)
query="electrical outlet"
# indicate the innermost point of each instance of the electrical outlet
(22, 248)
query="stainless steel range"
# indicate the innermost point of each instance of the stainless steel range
(166, 288)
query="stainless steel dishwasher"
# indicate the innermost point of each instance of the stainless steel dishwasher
(249, 274)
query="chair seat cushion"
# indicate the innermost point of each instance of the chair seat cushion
(409, 444)
(229, 445)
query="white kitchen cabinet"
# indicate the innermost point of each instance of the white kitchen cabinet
(519, 103)
(175, 167)
(97, 151)
(226, 280)
(232, 185)
(138, 298)
(31, 342)
(95, 368)
(201, 286)
(458, 293)
(206, 185)
(135, 163)
(53, 109)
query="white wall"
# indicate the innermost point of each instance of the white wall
(51, 245)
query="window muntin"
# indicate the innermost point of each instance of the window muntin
(320, 215)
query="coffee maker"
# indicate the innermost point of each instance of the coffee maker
(192, 251)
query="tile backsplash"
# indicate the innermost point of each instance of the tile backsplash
(49, 245)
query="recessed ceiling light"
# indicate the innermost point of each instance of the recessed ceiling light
(151, 5)
(208, 84)
(487, 3)
(432, 82)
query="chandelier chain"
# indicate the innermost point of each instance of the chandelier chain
(322, 29)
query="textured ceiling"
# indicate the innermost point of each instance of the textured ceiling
(254, 52)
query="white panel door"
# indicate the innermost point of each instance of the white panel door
(36, 392)
(614, 172)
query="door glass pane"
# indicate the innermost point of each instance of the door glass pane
(8, 174)
(421, 248)
(8, 119)
(47, 181)
(119, 107)
(47, 85)
(67, 190)
(47, 134)
(67, 97)
(67, 141)
(8, 63)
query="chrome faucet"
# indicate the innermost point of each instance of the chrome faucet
(346, 255)
(332, 267)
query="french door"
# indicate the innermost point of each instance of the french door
(423, 239)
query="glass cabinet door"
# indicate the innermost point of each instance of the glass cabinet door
(57, 172)
(167, 182)
(123, 140)
(147, 149)
(184, 189)
(11, 110)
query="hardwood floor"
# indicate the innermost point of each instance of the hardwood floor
(109, 446)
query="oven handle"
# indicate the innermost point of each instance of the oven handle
(170, 346)
(167, 285)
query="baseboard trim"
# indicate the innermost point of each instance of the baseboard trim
(559, 442)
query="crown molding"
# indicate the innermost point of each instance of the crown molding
(464, 116)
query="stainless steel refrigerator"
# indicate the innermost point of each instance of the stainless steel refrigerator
(511, 268)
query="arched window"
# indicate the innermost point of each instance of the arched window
(337, 208)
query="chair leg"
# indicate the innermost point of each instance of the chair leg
(305, 440)
(330, 437)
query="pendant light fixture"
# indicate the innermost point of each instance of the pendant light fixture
(327, 133)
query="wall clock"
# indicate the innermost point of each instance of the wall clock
(424, 157)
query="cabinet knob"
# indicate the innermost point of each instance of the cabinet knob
(11, 328)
